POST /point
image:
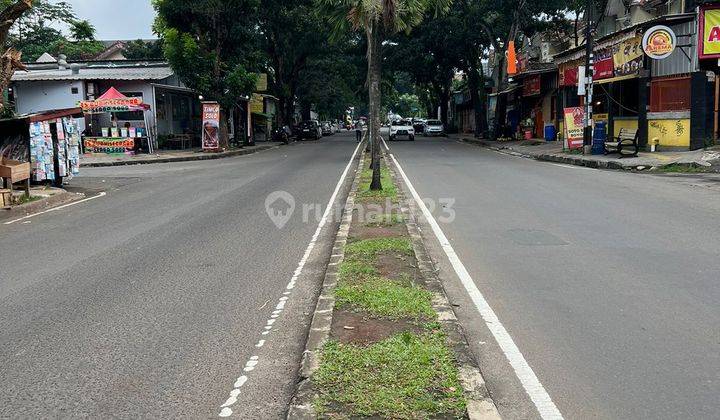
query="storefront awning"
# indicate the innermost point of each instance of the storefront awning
(615, 79)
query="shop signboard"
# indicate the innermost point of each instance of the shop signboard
(531, 85)
(574, 127)
(604, 64)
(709, 43)
(257, 104)
(211, 126)
(628, 56)
(262, 82)
(659, 42)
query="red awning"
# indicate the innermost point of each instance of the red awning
(112, 93)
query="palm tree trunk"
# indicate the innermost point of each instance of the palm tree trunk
(374, 74)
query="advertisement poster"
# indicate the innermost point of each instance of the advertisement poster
(574, 127)
(211, 126)
(628, 56)
(710, 30)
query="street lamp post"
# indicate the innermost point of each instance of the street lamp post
(589, 67)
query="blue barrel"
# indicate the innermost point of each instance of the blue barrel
(599, 138)
(550, 132)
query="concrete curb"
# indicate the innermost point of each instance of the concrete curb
(480, 405)
(573, 160)
(55, 200)
(199, 156)
(301, 406)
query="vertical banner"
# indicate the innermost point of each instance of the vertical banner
(574, 127)
(211, 126)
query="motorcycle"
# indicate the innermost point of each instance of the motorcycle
(281, 135)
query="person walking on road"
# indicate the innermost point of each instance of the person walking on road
(358, 131)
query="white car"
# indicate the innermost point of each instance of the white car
(402, 129)
(434, 128)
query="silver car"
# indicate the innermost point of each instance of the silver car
(434, 128)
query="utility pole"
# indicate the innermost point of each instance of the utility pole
(589, 68)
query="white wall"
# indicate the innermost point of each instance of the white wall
(33, 97)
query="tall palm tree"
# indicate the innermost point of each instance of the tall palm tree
(379, 18)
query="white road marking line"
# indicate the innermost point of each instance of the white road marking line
(535, 390)
(102, 194)
(251, 364)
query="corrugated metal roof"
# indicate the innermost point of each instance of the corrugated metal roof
(96, 73)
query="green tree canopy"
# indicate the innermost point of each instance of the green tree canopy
(212, 46)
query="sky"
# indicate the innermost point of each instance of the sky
(117, 19)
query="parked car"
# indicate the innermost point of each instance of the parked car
(434, 128)
(419, 125)
(400, 129)
(327, 129)
(310, 130)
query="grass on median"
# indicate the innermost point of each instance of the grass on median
(368, 249)
(385, 220)
(361, 288)
(388, 186)
(406, 376)
(385, 298)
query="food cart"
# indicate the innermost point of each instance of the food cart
(42, 147)
(113, 139)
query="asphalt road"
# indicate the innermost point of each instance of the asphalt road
(151, 301)
(608, 282)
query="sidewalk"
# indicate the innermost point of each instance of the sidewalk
(96, 160)
(41, 198)
(690, 161)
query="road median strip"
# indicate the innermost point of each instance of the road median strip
(384, 341)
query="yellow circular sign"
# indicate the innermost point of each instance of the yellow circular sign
(659, 42)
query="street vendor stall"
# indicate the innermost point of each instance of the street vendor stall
(40, 147)
(114, 139)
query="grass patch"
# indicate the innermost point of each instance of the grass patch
(361, 288)
(385, 220)
(368, 249)
(674, 168)
(385, 298)
(353, 271)
(388, 186)
(24, 199)
(407, 376)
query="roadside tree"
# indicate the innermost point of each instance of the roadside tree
(212, 46)
(377, 19)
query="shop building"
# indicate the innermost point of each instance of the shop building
(670, 98)
(55, 84)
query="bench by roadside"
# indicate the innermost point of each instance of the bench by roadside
(97, 160)
(697, 160)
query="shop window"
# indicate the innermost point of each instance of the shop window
(670, 95)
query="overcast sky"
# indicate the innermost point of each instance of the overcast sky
(117, 19)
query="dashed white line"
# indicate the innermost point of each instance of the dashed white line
(530, 382)
(250, 365)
